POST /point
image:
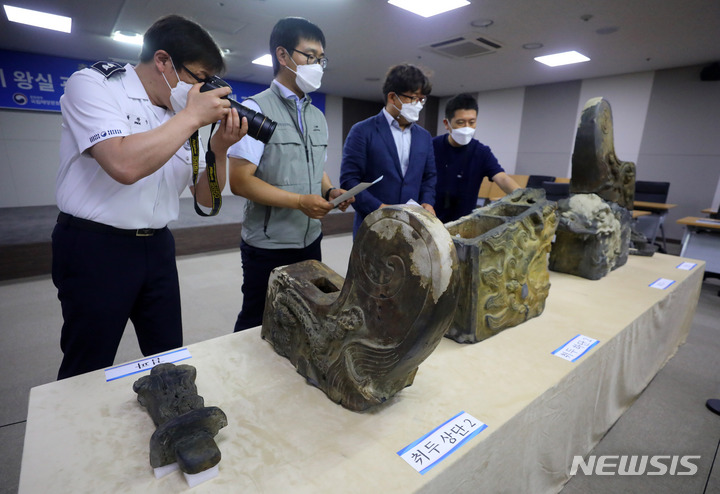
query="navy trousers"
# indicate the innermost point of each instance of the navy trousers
(257, 265)
(104, 279)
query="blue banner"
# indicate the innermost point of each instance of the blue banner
(36, 82)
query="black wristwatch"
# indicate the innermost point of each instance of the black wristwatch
(327, 193)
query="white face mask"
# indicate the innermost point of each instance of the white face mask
(179, 93)
(463, 135)
(410, 111)
(309, 77)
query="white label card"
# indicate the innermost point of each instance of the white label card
(687, 266)
(437, 444)
(146, 364)
(661, 283)
(575, 348)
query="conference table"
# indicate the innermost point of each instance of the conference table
(539, 405)
(659, 209)
(701, 240)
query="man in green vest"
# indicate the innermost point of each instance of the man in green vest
(284, 180)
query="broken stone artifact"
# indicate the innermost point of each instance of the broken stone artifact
(595, 167)
(362, 338)
(592, 238)
(594, 233)
(503, 273)
(185, 427)
(597, 170)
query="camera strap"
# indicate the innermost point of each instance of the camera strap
(211, 168)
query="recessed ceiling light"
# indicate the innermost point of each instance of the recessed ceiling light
(532, 46)
(564, 58)
(38, 19)
(429, 8)
(128, 37)
(265, 60)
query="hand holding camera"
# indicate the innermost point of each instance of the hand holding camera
(260, 127)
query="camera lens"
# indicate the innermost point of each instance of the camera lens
(260, 127)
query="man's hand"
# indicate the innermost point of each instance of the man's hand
(343, 205)
(207, 107)
(429, 208)
(230, 131)
(313, 205)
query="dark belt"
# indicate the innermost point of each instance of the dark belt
(92, 226)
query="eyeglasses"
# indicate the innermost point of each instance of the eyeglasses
(312, 59)
(194, 76)
(414, 99)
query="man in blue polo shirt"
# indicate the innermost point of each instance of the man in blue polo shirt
(462, 162)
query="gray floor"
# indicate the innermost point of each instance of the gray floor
(669, 418)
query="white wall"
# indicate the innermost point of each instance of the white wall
(499, 121)
(629, 97)
(333, 115)
(29, 151)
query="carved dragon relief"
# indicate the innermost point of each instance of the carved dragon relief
(361, 339)
(503, 250)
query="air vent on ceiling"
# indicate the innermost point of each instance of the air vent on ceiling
(464, 46)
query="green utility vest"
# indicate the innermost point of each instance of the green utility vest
(293, 162)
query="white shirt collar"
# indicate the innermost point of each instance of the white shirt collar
(287, 93)
(133, 85)
(392, 121)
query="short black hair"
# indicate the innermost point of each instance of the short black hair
(185, 41)
(288, 32)
(463, 101)
(405, 78)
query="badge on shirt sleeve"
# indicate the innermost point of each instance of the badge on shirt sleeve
(108, 69)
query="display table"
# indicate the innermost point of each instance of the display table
(87, 435)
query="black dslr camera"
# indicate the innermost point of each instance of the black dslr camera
(259, 126)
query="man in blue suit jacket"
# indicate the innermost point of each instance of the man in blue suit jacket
(391, 144)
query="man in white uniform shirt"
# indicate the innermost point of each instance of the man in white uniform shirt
(124, 161)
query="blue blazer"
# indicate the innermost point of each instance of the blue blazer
(370, 151)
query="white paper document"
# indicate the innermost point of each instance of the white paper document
(354, 191)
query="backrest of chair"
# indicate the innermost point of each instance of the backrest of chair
(651, 191)
(535, 181)
(554, 191)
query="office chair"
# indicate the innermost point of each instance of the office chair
(649, 225)
(536, 181)
(554, 191)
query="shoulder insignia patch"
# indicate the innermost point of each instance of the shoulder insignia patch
(108, 69)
